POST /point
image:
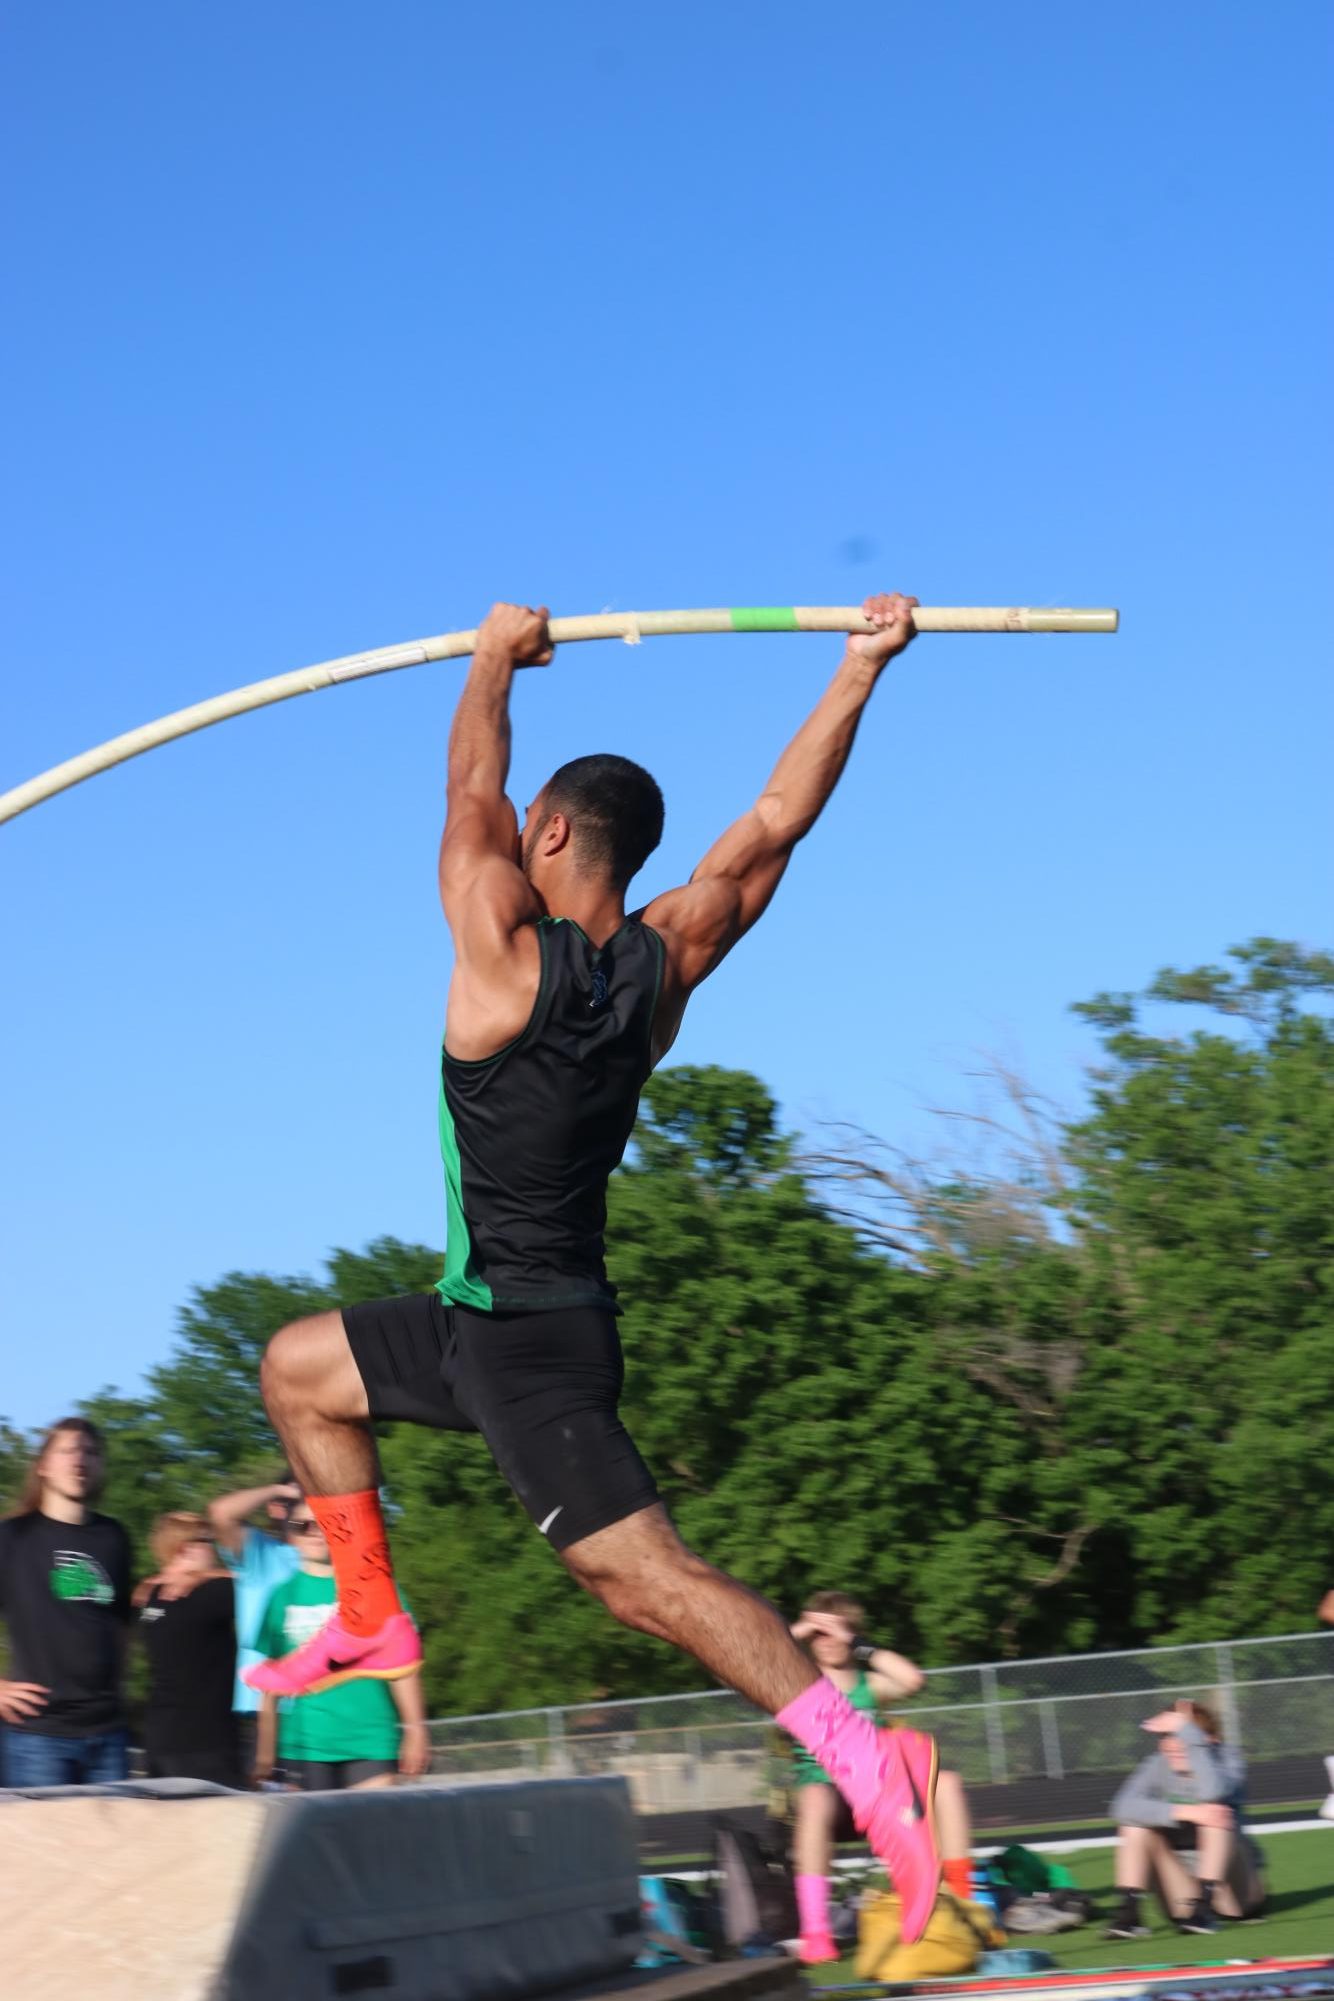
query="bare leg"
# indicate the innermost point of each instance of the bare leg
(1225, 1863)
(648, 1579)
(377, 1785)
(1244, 1891)
(1134, 1859)
(812, 1836)
(1177, 1888)
(317, 1402)
(953, 1827)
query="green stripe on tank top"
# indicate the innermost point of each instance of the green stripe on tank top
(764, 618)
(459, 1282)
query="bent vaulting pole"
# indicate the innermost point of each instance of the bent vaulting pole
(631, 626)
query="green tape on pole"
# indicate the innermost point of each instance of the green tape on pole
(764, 618)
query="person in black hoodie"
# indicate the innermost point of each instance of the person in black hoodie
(187, 1620)
(65, 1598)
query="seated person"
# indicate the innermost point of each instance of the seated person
(1185, 1796)
(871, 1677)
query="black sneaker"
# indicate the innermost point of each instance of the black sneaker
(1127, 1923)
(1203, 1918)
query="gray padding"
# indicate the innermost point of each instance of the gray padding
(439, 1893)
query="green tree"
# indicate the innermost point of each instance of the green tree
(1206, 1205)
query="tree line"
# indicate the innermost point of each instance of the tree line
(1073, 1392)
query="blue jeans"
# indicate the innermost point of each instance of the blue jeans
(29, 1759)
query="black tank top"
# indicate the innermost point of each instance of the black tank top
(530, 1136)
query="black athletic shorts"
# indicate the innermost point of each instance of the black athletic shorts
(542, 1389)
(325, 1775)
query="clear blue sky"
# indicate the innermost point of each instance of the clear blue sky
(329, 324)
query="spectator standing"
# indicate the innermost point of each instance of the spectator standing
(65, 1597)
(259, 1559)
(1186, 1795)
(187, 1620)
(359, 1734)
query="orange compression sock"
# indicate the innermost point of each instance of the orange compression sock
(363, 1572)
(958, 1874)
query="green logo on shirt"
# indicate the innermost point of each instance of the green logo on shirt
(80, 1579)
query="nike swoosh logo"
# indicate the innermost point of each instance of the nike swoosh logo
(542, 1527)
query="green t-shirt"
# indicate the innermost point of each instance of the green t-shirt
(355, 1720)
(806, 1770)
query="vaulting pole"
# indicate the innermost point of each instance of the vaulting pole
(631, 626)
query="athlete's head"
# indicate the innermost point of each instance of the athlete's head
(597, 817)
(68, 1466)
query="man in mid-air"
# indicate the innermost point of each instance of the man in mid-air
(559, 1008)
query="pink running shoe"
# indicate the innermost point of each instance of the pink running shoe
(334, 1655)
(901, 1828)
(817, 1950)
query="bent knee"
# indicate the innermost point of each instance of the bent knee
(285, 1358)
(638, 1590)
(310, 1360)
(615, 1584)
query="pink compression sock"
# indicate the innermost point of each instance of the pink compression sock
(813, 1906)
(842, 1739)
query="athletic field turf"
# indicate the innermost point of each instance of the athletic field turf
(1299, 1917)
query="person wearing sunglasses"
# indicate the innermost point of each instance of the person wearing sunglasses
(187, 1621)
(359, 1734)
(248, 1528)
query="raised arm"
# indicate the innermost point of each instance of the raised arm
(734, 883)
(487, 898)
(893, 1676)
(481, 834)
(228, 1515)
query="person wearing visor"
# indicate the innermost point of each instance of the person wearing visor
(1179, 1828)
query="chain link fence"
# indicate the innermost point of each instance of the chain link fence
(1037, 1741)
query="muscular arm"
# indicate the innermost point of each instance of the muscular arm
(479, 744)
(736, 880)
(483, 889)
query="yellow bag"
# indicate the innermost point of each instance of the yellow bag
(955, 1934)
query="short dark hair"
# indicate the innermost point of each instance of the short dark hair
(615, 812)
